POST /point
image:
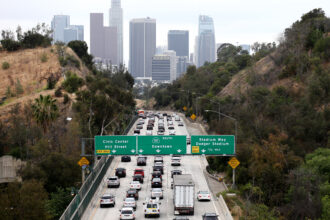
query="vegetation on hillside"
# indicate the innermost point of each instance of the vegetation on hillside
(283, 136)
(39, 133)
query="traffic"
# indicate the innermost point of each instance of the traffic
(165, 187)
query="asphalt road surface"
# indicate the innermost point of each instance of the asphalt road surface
(189, 165)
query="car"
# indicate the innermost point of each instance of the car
(125, 158)
(139, 127)
(113, 182)
(130, 202)
(203, 195)
(137, 131)
(170, 122)
(151, 208)
(176, 172)
(180, 123)
(107, 200)
(149, 132)
(150, 127)
(156, 193)
(135, 185)
(141, 161)
(140, 122)
(120, 172)
(139, 171)
(158, 168)
(171, 130)
(156, 174)
(132, 193)
(127, 213)
(210, 216)
(177, 118)
(176, 161)
(138, 177)
(164, 114)
(158, 163)
(158, 159)
(160, 132)
(181, 218)
(156, 183)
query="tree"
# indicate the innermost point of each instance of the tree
(45, 111)
(58, 202)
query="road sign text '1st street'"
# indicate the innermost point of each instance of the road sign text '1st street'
(115, 145)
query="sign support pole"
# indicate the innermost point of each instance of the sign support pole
(233, 186)
(82, 175)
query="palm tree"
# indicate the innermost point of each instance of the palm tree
(45, 111)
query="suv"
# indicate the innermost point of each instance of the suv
(210, 216)
(107, 200)
(141, 161)
(125, 158)
(158, 168)
(156, 183)
(132, 193)
(176, 161)
(139, 171)
(151, 208)
(113, 182)
(138, 177)
(121, 172)
(158, 159)
(127, 213)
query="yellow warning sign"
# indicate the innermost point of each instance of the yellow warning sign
(184, 108)
(233, 162)
(193, 117)
(103, 151)
(83, 161)
(195, 149)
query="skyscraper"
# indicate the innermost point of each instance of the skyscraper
(59, 23)
(103, 40)
(178, 40)
(206, 41)
(142, 47)
(80, 29)
(73, 32)
(116, 20)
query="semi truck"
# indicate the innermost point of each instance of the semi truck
(183, 194)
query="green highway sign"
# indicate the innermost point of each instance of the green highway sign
(213, 144)
(167, 144)
(115, 145)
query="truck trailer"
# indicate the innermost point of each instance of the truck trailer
(183, 194)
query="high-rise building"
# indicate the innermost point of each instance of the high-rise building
(59, 23)
(160, 49)
(73, 32)
(116, 20)
(161, 68)
(206, 41)
(182, 65)
(80, 30)
(142, 47)
(103, 40)
(178, 40)
(173, 59)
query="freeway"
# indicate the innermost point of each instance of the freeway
(189, 165)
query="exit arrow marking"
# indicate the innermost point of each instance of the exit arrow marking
(203, 151)
(179, 151)
(141, 151)
(114, 151)
(157, 150)
(132, 151)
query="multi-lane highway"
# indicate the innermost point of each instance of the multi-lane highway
(189, 165)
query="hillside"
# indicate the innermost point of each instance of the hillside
(28, 73)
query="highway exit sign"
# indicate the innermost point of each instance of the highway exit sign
(213, 144)
(115, 145)
(163, 144)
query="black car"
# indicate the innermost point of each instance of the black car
(165, 114)
(121, 172)
(176, 172)
(156, 183)
(156, 174)
(158, 168)
(138, 177)
(125, 158)
(136, 131)
(210, 216)
(132, 193)
(141, 161)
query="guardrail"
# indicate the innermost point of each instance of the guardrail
(86, 192)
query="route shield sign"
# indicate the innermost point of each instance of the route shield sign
(115, 145)
(167, 144)
(213, 144)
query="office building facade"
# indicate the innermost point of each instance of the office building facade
(161, 68)
(206, 48)
(178, 40)
(142, 47)
(116, 20)
(58, 24)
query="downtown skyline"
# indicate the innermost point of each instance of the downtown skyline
(234, 21)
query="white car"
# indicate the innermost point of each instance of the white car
(113, 181)
(170, 122)
(171, 130)
(156, 193)
(135, 185)
(203, 195)
(127, 213)
(107, 200)
(180, 123)
(177, 118)
(151, 208)
(176, 161)
(130, 202)
(149, 132)
(160, 132)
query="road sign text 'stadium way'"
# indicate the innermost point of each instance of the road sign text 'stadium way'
(115, 145)
(213, 144)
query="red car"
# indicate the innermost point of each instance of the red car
(139, 171)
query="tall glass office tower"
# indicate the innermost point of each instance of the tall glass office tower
(59, 23)
(116, 20)
(206, 51)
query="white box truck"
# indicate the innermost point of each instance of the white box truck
(183, 194)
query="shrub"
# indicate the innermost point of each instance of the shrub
(51, 82)
(5, 65)
(63, 61)
(58, 92)
(10, 44)
(66, 98)
(44, 58)
(19, 88)
(322, 46)
(72, 60)
(72, 82)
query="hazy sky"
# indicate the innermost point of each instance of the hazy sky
(242, 21)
